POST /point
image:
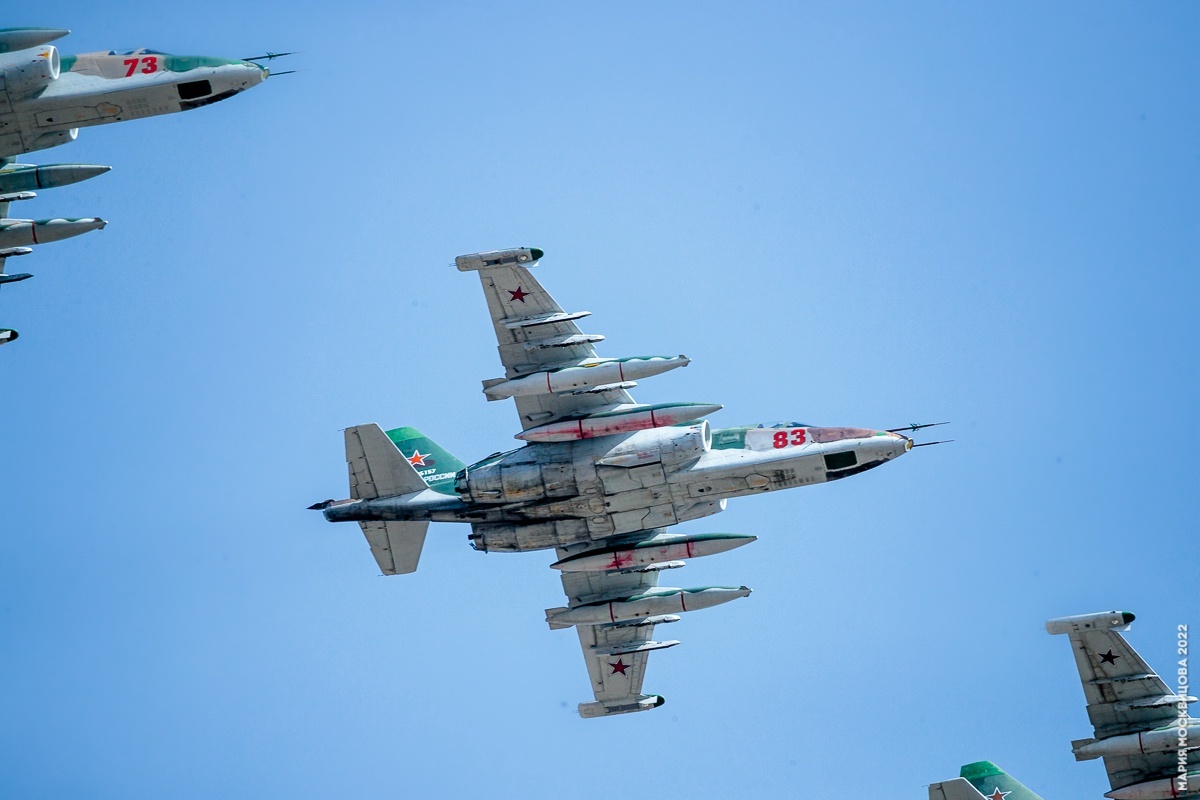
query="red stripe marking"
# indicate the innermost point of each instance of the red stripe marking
(580, 423)
(548, 389)
(689, 549)
(682, 604)
(653, 423)
(33, 231)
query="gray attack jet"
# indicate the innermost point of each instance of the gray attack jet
(45, 98)
(599, 479)
(1142, 727)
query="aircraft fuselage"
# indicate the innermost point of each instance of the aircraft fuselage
(554, 494)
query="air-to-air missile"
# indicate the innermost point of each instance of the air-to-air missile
(7, 335)
(622, 420)
(45, 98)
(665, 547)
(10, 252)
(601, 375)
(659, 600)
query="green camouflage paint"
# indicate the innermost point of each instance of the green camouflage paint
(435, 466)
(990, 779)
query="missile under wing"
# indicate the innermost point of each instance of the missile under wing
(1142, 727)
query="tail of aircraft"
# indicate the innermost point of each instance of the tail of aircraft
(435, 466)
(402, 461)
(994, 783)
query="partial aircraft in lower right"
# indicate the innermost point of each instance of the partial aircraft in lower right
(1149, 742)
(1143, 730)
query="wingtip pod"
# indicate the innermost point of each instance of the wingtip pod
(622, 705)
(7, 335)
(12, 39)
(1104, 620)
(517, 256)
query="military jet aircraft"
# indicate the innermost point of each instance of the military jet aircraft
(45, 98)
(982, 780)
(1142, 727)
(599, 479)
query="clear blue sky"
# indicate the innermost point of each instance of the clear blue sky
(867, 214)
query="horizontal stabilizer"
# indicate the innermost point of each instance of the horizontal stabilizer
(957, 789)
(396, 545)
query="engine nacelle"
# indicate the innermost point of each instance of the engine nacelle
(52, 139)
(510, 538)
(673, 447)
(516, 482)
(32, 74)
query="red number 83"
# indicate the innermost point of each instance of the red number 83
(780, 440)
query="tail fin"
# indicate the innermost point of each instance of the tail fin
(993, 782)
(378, 469)
(435, 466)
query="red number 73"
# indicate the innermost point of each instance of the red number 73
(149, 65)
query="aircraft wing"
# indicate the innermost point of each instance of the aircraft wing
(534, 333)
(1124, 695)
(615, 653)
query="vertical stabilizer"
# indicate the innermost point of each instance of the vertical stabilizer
(996, 784)
(432, 462)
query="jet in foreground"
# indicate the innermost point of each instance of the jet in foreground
(982, 780)
(46, 97)
(1142, 727)
(599, 479)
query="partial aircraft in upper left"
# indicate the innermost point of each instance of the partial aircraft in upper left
(46, 98)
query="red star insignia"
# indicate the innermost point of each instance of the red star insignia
(417, 459)
(620, 560)
(998, 795)
(620, 666)
(519, 294)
